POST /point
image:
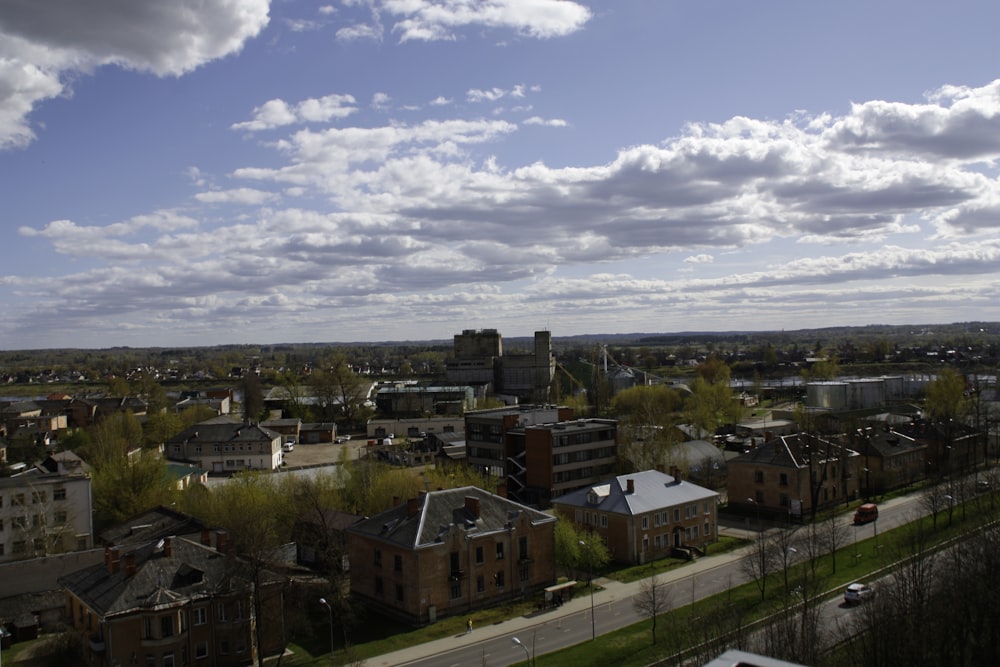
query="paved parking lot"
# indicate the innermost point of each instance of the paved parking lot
(321, 454)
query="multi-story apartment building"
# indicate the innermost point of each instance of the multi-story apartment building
(226, 445)
(44, 512)
(486, 433)
(546, 461)
(449, 552)
(644, 516)
(172, 602)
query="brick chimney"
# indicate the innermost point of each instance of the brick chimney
(112, 559)
(206, 537)
(168, 547)
(472, 506)
(412, 507)
(502, 490)
(129, 564)
(630, 485)
(395, 501)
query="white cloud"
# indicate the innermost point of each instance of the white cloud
(242, 196)
(41, 42)
(429, 20)
(276, 113)
(551, 122)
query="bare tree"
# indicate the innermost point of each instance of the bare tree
(835, 536)
(651, 600)
(758, 561)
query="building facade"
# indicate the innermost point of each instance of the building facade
(226, 445)
(170, 603)
(546, 461)
(644, 516)
(44, 513)
(450, 552)
(486, 433)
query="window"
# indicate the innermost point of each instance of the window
(708, 530)
(58, 494)
(38, 497)
(759, 498)
(397, 563)
(783, 500)
(455, 568)
(399, 592)
(59, 517)
(523, 572)
(522, 548)
(499, 550)
(378, 586)
(223, 612)
(201, 650)
(758, 476)
(677, 514)
(456, 590)
(645, 523)
(498, 578)
(150, 660)
(166, 626)
(224, 647)
(17, 499)
(200, 616)
(604, 521)
(480, 584)
(147, 628)
(378, 558)
(168, 660)
(480, 558)
(783, 479)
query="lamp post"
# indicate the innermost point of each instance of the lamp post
(951, 506)
(326, 604)
(590, 584)
(521, 644)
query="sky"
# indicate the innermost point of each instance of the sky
(203, 172)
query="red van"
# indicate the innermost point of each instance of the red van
(866, 513)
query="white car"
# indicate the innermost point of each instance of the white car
(858, 592)
(341, 439)
(288, 447)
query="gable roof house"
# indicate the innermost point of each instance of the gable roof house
(171, 602)
(645, 515)
(793, 475)
(448, 552)
(226, 445)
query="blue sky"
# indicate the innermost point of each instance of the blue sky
(254, 171)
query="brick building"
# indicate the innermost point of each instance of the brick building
(169, 603)
(450, 552)
(645, 515)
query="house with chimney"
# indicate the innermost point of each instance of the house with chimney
(450, 552)
(225, 445)
(645, 516)
(172, 602)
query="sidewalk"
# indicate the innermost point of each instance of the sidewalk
(612, 591)
(579, 604)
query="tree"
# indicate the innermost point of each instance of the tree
(758, 561)
(646, 418)
(258, 514)
(651, 600)
(253, 397)
(336, 384)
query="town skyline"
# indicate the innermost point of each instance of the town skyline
(257, 172)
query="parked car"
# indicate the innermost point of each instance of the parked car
(858, 592)
(866, 513)
(341, 439)
(288, 447)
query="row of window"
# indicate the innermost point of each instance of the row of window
(37, 497)
(583, 455)
(499, 582)
(200, 652)
(167, 624)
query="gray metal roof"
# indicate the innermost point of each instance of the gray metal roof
(653, 490)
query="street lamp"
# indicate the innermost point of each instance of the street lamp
(521, 644)
(590, 584)
(951, 506)
(326, 604)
